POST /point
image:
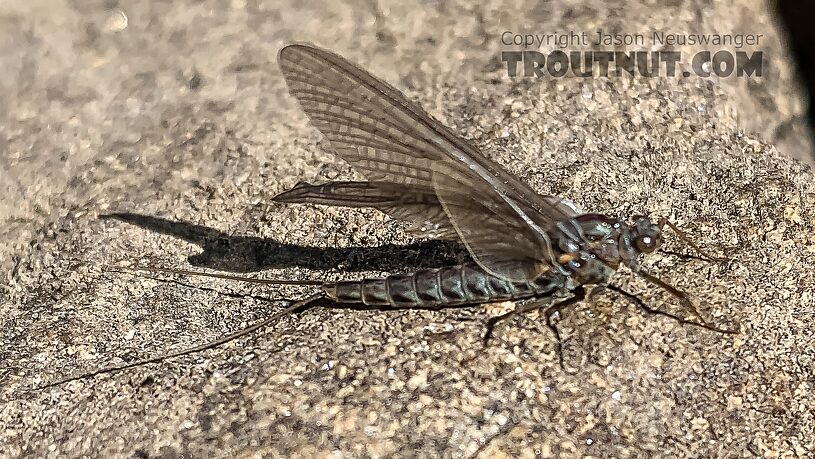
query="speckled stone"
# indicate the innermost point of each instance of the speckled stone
(177, 111)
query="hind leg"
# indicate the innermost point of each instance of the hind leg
(552, 312)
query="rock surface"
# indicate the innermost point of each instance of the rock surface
(175, 116)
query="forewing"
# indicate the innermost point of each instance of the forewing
(415, 205)
(363, 118)
(494, 235)
(388, 138)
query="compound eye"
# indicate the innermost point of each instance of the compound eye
(645, 243)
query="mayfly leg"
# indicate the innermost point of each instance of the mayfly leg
(551, 312)
(679, 294)
(520, 310)
(579, 294)
(294, 307)
(664, 221)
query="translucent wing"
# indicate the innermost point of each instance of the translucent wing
(494, 235)
(389, 139)
(415, 205)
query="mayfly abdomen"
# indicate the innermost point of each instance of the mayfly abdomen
(455, 285)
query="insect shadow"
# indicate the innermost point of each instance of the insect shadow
(245, 254)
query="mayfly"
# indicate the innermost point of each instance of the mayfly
(523, 245)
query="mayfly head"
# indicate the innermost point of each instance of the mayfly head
(646, 236)
(637, 239)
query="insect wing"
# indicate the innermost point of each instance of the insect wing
(415, 205)
(495, 234)
(388, 138)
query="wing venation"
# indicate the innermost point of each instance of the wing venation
(419, 171)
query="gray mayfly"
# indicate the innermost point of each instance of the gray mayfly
(524, 246)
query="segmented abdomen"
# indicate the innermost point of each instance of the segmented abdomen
(455, 285)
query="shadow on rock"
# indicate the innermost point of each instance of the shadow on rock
(233, 253)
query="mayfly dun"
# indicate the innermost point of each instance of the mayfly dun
(523, 245)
